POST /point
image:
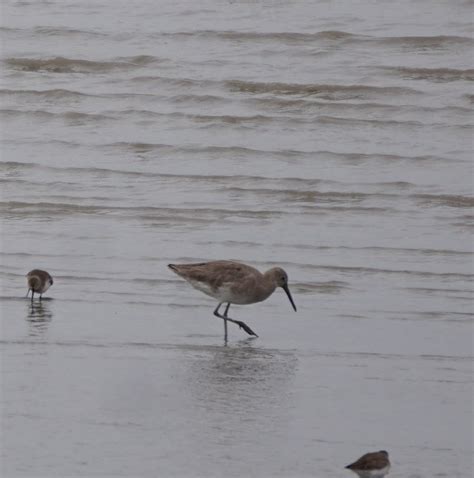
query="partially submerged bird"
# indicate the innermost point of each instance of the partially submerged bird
(371, 465)
(38, 281)
(233, 283)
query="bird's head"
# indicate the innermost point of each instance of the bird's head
(280, 279)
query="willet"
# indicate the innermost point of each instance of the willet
(38, 281)
(233, 283)
(371, 465)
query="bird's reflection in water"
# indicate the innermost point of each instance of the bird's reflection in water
(244, 379)
(39, 317)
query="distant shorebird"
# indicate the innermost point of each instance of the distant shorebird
(371, 465)
(38, 281)
(233, 283)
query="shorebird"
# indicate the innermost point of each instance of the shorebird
(371, 465)
(38, 281)
(233, 283)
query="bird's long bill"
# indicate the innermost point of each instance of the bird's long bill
(287, 290)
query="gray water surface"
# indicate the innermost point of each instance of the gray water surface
(331, 139)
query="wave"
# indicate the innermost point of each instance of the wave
(325, 208)
(219, 152)
(120, 277)
(448, 315)
(312, 196)
(319, 90)
(218, 120)
(427, 42)
(464, 294)
(326, 91)
(432, 74)
(35, 255)
(52, 31)
(329, 287)
(289, 38)
(47, 115)
(200, 118)
(44, 142)
(337, 120)
(190, 215)
(316, 247)
(69, 65)
(178, 82)
(283, 37)
(260, 119)
(206, 214)
(450, 200)
(327, 203)
(59, 93)
(64, 31)
(212, 151)
(189, 98)
(375, 270)
(56, 93)
(259, 181)
(279, 104)
(47, 208)
(299, 105)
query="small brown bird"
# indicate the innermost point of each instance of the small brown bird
(38, 281)
(233, 283)
(371, 465)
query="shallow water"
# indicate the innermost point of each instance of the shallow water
(331, 140)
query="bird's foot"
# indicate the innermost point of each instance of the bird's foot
(241, 324)
(244, 326)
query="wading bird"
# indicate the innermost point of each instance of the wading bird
(233, 283)
(371, 465)
(38, 281)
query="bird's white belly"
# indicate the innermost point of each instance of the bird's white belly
(45, 287)
(203, 287)
(222, 294)
(381, 472)
(373, 473)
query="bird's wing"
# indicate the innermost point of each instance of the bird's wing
(215, 273)
(369, 461)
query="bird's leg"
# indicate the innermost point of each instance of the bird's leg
(41, 297)
(241, 324)
(226, 309)
(32, 295)
(28, 292)
(225, 323)
(217, 314)
(216, 311)
(225, 320)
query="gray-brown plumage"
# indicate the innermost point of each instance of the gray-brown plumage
(233, 283)
(374, 464)
(38, 281)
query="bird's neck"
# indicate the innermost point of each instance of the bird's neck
(267, 286)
